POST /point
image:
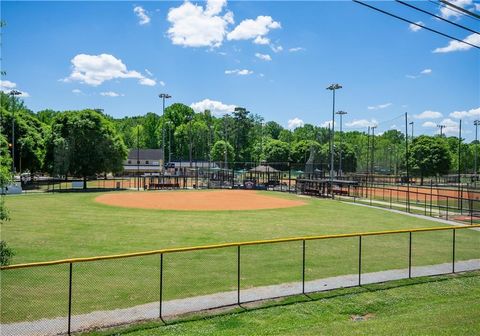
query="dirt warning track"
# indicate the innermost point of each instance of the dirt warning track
(198, 200)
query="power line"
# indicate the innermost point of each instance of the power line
(463, 10)
(437, 3)
(416, 24)
(436, 16)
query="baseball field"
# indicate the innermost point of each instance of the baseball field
(46, 227)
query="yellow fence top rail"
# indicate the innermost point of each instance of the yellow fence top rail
(235, 244)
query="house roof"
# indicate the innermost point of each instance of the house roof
(145, 154)
(263, 169)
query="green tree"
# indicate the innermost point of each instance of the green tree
(6, 253)
(92, 143)
(219, 149)
(272, 130)
(429, 156)
(300, 151)
(276, 151)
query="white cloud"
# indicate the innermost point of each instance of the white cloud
(261, 40)
(110, 94)
(459, 46)
(428, 115)
(216, 107)
(466, 114)
(379, 107)
(147, 81)
(451, 126)
(254, 29)
(239, 72)
(361, 123)
(142, 15)
(296, 49)
(5, 84)
(423, 72)
(429, 124)
(264, 57)
(96, 69)
(196, 26)
(77, 91)
(149, 72)
(446, 12)
(162, 83)
(276, 49)
(415, 28)
(326, 124)
(295, 122)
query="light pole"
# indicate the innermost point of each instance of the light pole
(333, 88)
(373, 151)
(13, 93)
(476, 123)
(169, 123)
(341, 114)
(163, 96)
(441, 129)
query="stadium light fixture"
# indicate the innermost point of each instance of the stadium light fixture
(333, 88)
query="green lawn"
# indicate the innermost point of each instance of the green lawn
(49, 227)
(447, 305)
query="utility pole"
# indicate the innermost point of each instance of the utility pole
(164, 96)
(13, 93)
(333, 88)
(476, 123)
(441, 129)
(406, 162)
(373, 151)
(368, 159)
(459, 162)
(138, 158)
(341, 114)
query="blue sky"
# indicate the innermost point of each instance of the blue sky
(274, 58)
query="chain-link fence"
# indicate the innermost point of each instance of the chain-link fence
(435, 202)
(79, 294)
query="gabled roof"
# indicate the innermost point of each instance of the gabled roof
(263, 169)
(145, 154)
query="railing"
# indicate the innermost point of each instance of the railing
(64, 296)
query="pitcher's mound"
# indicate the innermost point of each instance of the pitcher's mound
(198, 200)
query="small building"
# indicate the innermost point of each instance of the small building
(187, 168)
(144, 162)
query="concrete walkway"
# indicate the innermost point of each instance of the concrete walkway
(194, 304)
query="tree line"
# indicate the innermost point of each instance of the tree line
(88, 142)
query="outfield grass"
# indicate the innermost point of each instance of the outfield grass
(49, 227)
(448, 305)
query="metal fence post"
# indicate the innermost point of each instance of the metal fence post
(160, 306)
(453, 251)
(410, 255)
(303, 267)
(447, 209)
(70, 300)
(359, 260)
(238, 275)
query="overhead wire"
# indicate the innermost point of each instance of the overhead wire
(416, 24)
(438, 3)
(436, 16)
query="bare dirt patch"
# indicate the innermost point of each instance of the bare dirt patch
(198, 200)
